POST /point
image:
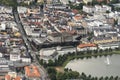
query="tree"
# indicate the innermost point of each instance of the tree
(110, 49)
(104, 1)
(52, 76)
(50, 63)
(114, 1)
(66, 69)
(95, 78)
(70, 69)
(94, 2)
(116, 78)
(69, 2)
(23, 4)
(81, 6)
(117, 8)
(56, 62)
(62, 76)
(115, 22)
(41, 6)
(101, 78)
(51, 70)
(106, 50)
(61, 59)
(72, 75)
(36, 1)
(41, 61)
(45, 64)
(106, 78)
(83, 74)
(111, 78)
(90, 36)
(100, 50)
(52, 73)
(8, 2)
(107, 11)
(89, 3)
(59, 76)
(67, 75)
(89, 76)
(78, 7)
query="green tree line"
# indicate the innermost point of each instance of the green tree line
(8, 2)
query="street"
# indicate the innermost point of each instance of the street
(44, 75)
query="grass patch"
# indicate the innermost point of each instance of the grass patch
(60, 69)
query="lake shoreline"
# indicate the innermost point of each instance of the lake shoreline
(97, 65)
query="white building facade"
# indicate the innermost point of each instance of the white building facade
(88, 9)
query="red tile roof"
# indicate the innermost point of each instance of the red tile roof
(32, 71)
(17, 78)
(75, 11)
(7, 77)
(1, 43)
(78, 17)
(87, 45)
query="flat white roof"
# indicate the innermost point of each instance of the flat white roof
(47, 51)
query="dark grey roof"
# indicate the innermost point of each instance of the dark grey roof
(102, 38)
(20, 64)
(56, 34)
(3, 49)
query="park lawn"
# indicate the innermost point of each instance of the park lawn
(59, 69)
(116, 52)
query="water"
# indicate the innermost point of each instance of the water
(101, 66)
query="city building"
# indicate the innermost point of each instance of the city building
(4, 66)
(60, 37)
(112, 45)
(12, 76)
(21, 9)
(88, 46)
(88, 9)
(99, 40)
(57, 6)
(48, 53)
(102, 8)
(118, 21)
(25, 1)
(32, 72)
(86, 1)
(15, 54)
(25, 59)
(65, 50)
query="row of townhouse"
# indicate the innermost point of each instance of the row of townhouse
(102, 46)
(96, 8)
(99, 32)
(99, 40)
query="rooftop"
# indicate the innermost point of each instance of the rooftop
(47, 51)
(87, 45)
(8, 77)
(32, 71)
